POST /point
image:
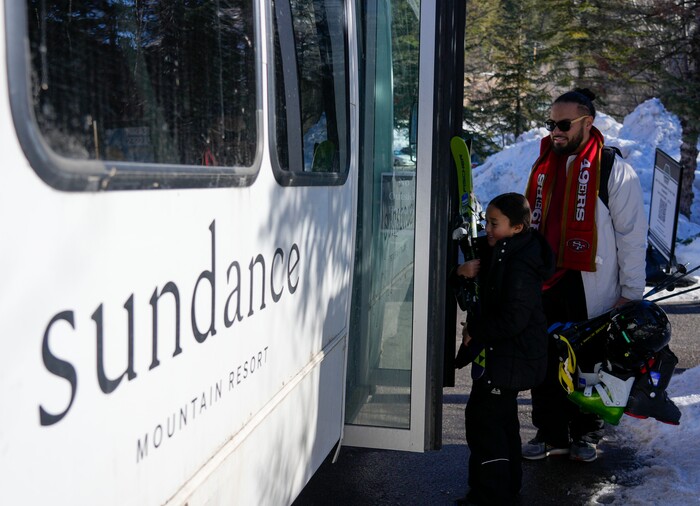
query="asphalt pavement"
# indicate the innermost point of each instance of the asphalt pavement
(384, 478)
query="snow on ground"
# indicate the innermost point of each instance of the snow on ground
(669, 472)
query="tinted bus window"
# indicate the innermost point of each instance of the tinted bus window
(163, 82)
(311, 115)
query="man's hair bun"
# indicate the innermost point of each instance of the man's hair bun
(586, 93)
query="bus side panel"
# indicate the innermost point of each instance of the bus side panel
(268, 466)
(154, 341)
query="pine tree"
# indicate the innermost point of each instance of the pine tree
(586, 43)
(481, 18)
(680, 80)
(667, 45)
(507, 96)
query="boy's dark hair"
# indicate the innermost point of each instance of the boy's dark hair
(515, 207)
(581, 96)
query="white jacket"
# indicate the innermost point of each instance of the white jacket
(622, 242)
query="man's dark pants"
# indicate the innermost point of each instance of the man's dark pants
(558, 420)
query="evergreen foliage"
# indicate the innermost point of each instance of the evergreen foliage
(508, 95)
(671, 48)
(521, 54)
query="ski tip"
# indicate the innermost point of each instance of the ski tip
(458, 143)
(462, 157)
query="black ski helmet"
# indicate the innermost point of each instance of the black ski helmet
(637, 331)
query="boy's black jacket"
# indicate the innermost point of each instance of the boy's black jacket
(511, 323)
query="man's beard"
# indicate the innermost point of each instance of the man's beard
(570, 147)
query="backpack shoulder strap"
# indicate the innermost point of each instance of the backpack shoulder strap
(607, 160)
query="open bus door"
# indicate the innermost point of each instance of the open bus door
(402, 332)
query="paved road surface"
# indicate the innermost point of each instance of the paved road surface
(384, 478)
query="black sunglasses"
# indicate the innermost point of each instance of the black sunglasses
(563, 125)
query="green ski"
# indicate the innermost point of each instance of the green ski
(463, 163)
(466, 228)
(466, 291)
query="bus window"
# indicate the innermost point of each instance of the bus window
(311, 102)
(147, 83)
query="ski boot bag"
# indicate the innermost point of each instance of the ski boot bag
(632, 364)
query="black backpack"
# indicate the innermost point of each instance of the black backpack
(607, 160)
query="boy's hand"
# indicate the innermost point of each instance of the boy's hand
(469, 269)
(465, 336)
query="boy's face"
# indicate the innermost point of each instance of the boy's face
(498, 226)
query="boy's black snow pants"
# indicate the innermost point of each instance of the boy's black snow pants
(493, 436)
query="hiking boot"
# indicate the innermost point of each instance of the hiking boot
(536, 449)
(583, 451)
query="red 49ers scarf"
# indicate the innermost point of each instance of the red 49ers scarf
(577, 247)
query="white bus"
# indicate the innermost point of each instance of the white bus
(223, 242)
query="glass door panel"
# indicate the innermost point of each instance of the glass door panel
(379, 376)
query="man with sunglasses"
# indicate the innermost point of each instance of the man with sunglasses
(600, 250)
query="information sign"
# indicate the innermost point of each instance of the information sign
(665, 201)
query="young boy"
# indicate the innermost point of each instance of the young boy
(512, 329)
